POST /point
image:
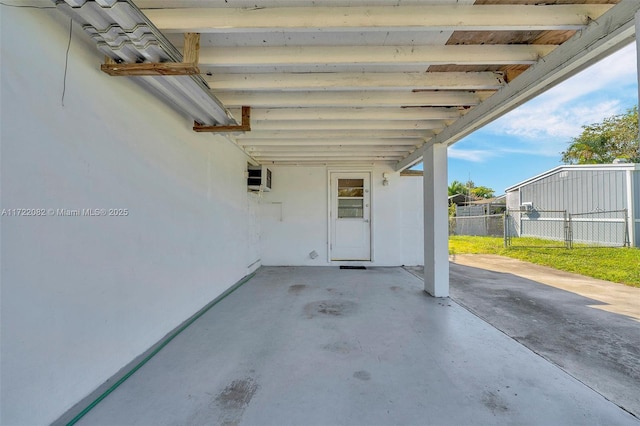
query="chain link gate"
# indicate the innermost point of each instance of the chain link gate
(600, 228)
(537, 228)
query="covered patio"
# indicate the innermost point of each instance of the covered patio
(132, 131)
(320, 346)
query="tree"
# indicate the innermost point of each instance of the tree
(601, 143)
(482, 192)
(470, 189)
(456, 187)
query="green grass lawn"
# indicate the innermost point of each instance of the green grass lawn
(620, 265)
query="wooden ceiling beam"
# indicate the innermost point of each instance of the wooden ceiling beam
(351, 99)
(341, 134)
(380, 18)
(348, 124)
(278, 56)
(328, 148)
(319, 162)
(354, 113)
(336, 141)
(613, 31)
(338, 81)
(384, 153)
(349, 158)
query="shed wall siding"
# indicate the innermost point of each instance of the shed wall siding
(83, 296)
(585, 194)
(578, 191)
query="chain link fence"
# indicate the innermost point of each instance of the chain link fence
(558, 228)
(548, 228)
(484, 225)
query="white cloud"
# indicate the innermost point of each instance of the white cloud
(559, 123)
(616, 69)
(545, 125)
(586, 98)
(474, 155)
(545, 149)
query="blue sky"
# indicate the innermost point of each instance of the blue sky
(528, 140)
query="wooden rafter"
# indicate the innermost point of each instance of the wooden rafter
(594, 43)
(351, 98)
(359, 113)
(350, 80)
(409, 76)
(347, 124)
(244, 127)
(283, 135)
(336, 141)
(260, 56)
(433, 17)
(188, 66)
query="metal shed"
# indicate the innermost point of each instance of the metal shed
(596, 196)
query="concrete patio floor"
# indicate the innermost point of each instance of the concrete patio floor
(324, 346)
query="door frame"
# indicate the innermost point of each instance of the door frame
(330, 172)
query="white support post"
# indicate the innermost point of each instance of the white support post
(638, 53)
(631, 215)
(630, 187)
(436, 221)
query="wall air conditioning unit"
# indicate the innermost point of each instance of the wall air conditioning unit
(258, 178)
(526, 207)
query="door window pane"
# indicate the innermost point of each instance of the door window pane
(350, 183)
(350, 192)
(350, 187)
(350, 208)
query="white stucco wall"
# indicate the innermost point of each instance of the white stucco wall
(82, 296)
(396, 216)
(295, 217)
(412, 219)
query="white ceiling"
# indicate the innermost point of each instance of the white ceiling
(336, 82)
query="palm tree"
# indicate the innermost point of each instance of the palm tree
(456, 187)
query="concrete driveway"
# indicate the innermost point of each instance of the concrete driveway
(588, 327)
(611, 297)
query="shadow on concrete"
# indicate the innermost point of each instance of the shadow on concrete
(599, 348)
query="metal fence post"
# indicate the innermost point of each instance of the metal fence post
(505, 226)
(627, 242)
(568, 234)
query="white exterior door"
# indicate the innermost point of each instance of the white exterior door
(350, 217)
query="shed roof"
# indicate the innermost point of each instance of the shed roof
(583, 167)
